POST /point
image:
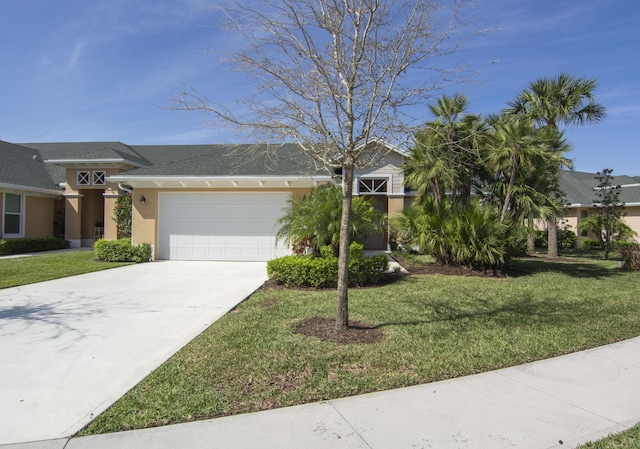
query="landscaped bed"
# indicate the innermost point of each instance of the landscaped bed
(420, 329)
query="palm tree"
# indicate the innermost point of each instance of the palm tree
(446, 153)
(551, 102)
(314, 221)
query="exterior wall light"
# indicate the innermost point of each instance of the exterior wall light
(143, 199)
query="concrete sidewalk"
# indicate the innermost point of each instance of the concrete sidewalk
(560, 402)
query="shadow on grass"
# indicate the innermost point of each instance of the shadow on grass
(576, 269)
(523, 311)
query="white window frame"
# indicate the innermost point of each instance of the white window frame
(83, 178)
(387, 185)
(99, 178)
(20, 214)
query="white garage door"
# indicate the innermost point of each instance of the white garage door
(220, 226)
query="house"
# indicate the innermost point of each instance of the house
(580, 187)
(190, 202)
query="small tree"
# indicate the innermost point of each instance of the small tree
(122, 215)
(608, 208)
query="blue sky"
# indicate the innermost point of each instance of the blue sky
(102, 70)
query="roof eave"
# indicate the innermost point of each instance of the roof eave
(21, 189)
(219, 181)
(101, 163)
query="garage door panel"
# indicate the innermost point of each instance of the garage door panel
(220, 226)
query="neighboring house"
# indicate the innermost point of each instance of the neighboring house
(579, 188)
(191, 202)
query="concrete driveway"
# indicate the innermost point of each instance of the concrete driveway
(70, 348)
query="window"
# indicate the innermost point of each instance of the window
(373, 186)
(12, 215)
(99, 178)
(83, 178)
(583, 214)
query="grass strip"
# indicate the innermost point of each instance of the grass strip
(629, 439)
(44, 267)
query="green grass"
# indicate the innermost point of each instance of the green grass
(28, 270)
(435, 327)
(629, 439)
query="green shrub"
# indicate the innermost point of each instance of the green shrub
(630, 252)
(21, 246)
(592, 244)
(322, 272)
(122, 251)
(566, 238)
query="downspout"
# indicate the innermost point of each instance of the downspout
(126, 189)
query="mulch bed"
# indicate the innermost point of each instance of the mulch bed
(325, 329)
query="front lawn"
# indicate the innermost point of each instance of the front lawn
(435, 327)
(44, 267)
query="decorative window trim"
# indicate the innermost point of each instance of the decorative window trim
(19, 214)
(83, 178)
(373, 185)
(99, 178)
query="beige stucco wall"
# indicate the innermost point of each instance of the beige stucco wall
(144, 216)
(39, 215)
(633, 219)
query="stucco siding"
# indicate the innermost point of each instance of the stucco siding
(39, 217)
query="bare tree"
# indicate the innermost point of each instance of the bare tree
(336, 77)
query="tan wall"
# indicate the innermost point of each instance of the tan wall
(633, 219)
(145, 225)
(39, 215)
(395, 206)
(72, 176)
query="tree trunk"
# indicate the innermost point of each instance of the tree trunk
(531, 239)
(552, 237)
(342, 318)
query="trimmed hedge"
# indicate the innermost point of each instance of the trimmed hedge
(22, 246)
(122, 251)
(322, 272)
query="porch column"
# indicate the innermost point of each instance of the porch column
(110, 228)
(72, 219)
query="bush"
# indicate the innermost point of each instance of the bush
(122, 215)
(566, 238)
(630, 255)
(592, 244)
(122, 251)
(21, 246)
(322, 272)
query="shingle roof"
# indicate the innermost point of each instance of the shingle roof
(20, 168)
(23, 166)
(224, 160)
(579, 187)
